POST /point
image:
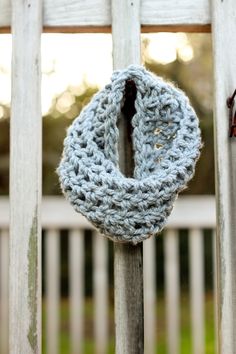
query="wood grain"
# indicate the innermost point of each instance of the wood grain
(92, 15)
(175, 12)
(224, 56)
(128, 259)
(5, 13)
(25, 179)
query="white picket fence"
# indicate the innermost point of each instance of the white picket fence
(193, 213)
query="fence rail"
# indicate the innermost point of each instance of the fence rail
(189, 212)
(193, 213)
(76, 15)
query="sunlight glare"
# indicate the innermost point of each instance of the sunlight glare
(186, 53)
(74, 61)
(164, 47)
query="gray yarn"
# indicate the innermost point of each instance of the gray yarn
(166, 143)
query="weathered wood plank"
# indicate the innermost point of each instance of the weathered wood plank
(169, 12)
(128, 259)
(128, 299)
(149, 279)
(224, 55)
(214, 267)
(196, 263)
(95, 15)
(25, 179)
(76, 270)
(172, 291)
(189, 212)
(100, 288)
(4, 293)
(52, 244)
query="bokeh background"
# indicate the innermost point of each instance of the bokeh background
(74, 67)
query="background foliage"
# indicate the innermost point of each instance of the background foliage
(194, 77)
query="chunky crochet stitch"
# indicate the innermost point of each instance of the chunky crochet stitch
(166, 143)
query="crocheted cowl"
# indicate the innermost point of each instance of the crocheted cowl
(166, 142)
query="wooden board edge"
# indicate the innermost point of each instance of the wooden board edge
(107, 29)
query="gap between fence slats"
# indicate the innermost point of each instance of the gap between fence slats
(100, 288)
(76, 285)
(4, 294)
(52, 246)
(172, 291)
(196, 262)
(149, 278)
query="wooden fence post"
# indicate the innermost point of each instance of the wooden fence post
(128, 259)
(224, 54)
(25, 179)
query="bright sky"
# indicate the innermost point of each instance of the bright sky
(69, 60)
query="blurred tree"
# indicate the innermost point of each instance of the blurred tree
(193, 76)
(54, 131)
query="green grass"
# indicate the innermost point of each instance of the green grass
(185, 341)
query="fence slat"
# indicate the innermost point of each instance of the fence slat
(100, 286)
(149, 277)
(76, 269)
(52, 244)
(4, 304)
(128, 262)
(214, 267)
(196, 259)
(25, 179)
(172, 290)
(224, 56)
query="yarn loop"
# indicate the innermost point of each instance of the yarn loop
(166, 142)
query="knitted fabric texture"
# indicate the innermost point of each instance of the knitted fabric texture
(166, 143)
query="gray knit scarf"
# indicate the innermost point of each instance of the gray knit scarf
(166, 143)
